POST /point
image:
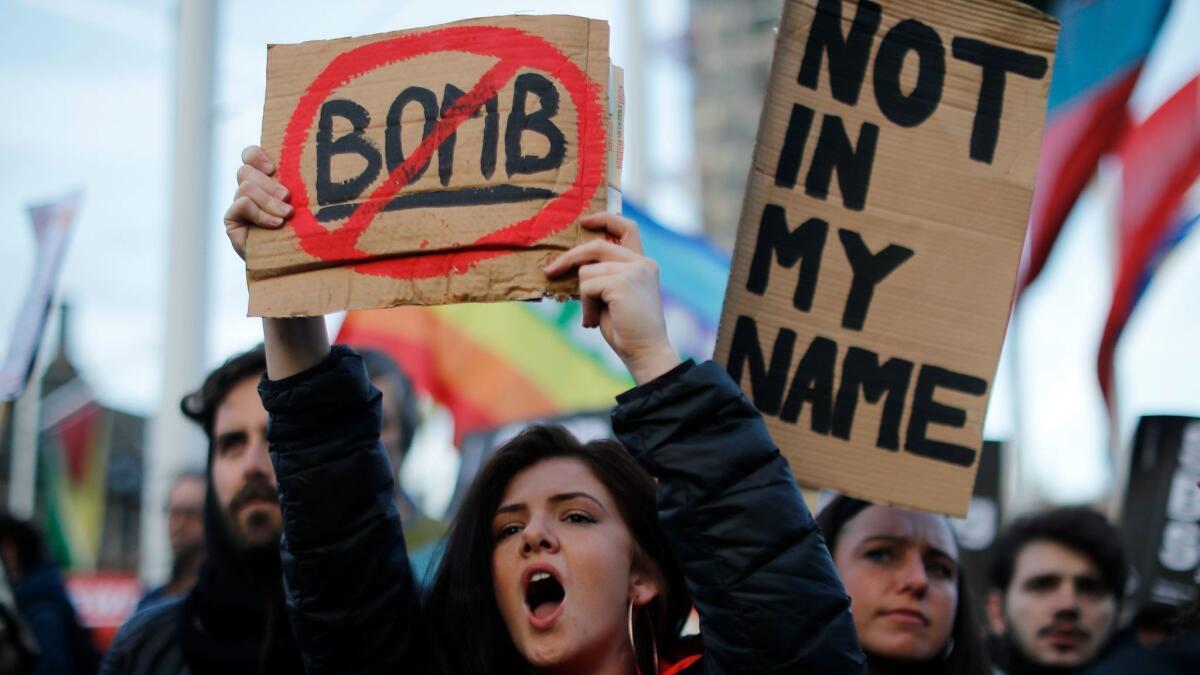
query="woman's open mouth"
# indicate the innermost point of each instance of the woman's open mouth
(544, 596)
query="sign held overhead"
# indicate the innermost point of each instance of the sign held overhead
(880, 237)
(432, 166)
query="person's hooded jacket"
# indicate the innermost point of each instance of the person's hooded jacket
(64, 645)
(233, 622)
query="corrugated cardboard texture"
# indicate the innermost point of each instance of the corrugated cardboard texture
(941, 209)
(479, 221)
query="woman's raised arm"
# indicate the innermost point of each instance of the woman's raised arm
(351, 596)
(292, 345)
(760, 576)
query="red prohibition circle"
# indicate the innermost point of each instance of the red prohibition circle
(515, 49)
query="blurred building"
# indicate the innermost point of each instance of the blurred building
(89, 466)
(732, 46)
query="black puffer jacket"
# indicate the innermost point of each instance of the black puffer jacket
(350, 590)
(762, 580)
(768, 595)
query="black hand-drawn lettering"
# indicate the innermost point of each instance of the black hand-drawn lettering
(776, 243)
(793, 146)
(996, 62)
(520, 121)
(355, 142)
(835, 151)
(813, 384)
(926, 411)
(869, 269)
(909, 110)
(861, 370)
(766, 384)
(848, 54)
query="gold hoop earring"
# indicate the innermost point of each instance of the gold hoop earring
(637, 665)
(948, 650)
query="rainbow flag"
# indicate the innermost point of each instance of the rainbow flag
(1101, 47)
(491, 364)
(1160, 164)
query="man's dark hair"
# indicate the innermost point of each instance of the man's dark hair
(1078, 528)
(379, 364)
(26, 540)
(201, 405)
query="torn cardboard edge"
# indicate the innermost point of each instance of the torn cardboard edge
(594, 67)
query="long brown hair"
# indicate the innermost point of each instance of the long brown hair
(464, 630)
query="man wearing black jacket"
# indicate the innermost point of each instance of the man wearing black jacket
(233, 621)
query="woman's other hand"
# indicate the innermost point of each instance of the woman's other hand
(618, 287)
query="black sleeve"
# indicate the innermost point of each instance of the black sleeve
(761, 578)
(148, 642)
(350, 591)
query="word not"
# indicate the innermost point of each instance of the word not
(847, 57)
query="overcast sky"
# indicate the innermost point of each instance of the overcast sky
(88, 106)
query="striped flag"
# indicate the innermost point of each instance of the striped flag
(1101, 48)
(491, 364)
(72, 473)
(1160, 163)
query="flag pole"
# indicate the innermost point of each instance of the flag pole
(5, 414)
(26, 425)
(173, 442)
(1110, 178)
(1120, 463)
(1012, 465)
(23, 469)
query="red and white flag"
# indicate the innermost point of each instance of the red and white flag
(1160, 163)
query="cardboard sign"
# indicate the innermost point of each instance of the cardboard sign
(432, 166)
(880, 236)
(1160, 522)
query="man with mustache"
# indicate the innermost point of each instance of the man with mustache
(233, 622)
(185, 534)
(1057, 581)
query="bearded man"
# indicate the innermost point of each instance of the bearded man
(233, 622)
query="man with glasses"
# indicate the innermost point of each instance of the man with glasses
(185, 533)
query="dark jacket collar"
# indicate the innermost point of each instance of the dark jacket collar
(234, 619)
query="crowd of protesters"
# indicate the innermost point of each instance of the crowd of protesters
(294, 547)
